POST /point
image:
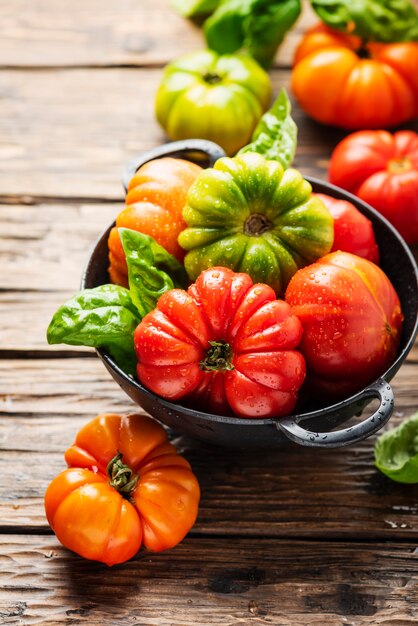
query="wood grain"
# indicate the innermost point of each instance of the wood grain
(45, 248)
(289, 492)
(76, 103)
(104, 33)
(68, 134)
(223, 582)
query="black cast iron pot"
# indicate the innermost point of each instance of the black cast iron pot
(318, 421)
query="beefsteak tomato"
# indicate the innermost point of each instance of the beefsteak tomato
(339, 80)
(214, 97)
(125, 486)
(382, 169)
(250, 215)
(224, 344)
(154, 203)
(352, 321)
(353, 231)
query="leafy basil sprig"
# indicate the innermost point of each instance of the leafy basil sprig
(396, 452)
(106, 316)
(275, 136)
(256, 27)
(372, 20)
(103, 317)
(151, 269)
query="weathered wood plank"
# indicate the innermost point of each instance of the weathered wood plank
(104, 33)
(290, 492)
(220, 582)
(99, 119)
(45, 248)
(24, 318)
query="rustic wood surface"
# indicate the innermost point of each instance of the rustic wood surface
(289, 537)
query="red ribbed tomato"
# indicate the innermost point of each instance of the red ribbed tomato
(351, 318)
(224, 344)
(353, 232)
(382, 169)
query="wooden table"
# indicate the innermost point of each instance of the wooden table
(291, 537)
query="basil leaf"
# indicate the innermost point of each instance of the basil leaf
(396, 452)
(256, 27)
(275, 136)
(151, 269)
(103, 317)
(372, 20)
(191, 8)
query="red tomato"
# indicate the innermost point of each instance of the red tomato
(351, 318)
(126, 486)
(353, 232)
(224, 344)
(337, 79)
(382, 169)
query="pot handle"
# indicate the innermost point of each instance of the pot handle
(335, 439)
(200, 151)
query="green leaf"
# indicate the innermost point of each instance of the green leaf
(103, 317)
(192, 8)
(372, 20)
(256, 27)
(396, 452)
(151, 269)
(275, 136)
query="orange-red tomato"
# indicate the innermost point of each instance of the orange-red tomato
(154, 203)
(125, 486)
(338, 80)
(352, 322)
(353, 232)
(381, 169)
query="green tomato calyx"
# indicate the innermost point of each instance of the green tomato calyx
(212, 78)
(218, 357)
(257, 224)
(121, 476)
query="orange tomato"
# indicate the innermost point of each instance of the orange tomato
(125, 486)
(154, 204)
(338, 80)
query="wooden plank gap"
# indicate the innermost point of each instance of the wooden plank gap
(35, 200)
(69, 353)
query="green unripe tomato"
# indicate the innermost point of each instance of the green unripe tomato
(250, 215)
(214, 97)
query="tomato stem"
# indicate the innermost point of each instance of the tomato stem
(212, 79)
(257, 224)
(218, 357)
(363, 52)
(121, 476)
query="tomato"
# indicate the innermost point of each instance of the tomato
(338, 80)
(352, 321)
(154, 203)
(214, 97)
(382, 169)
(353, 232)
(248, 214)
(125, 486)
(224, 344)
